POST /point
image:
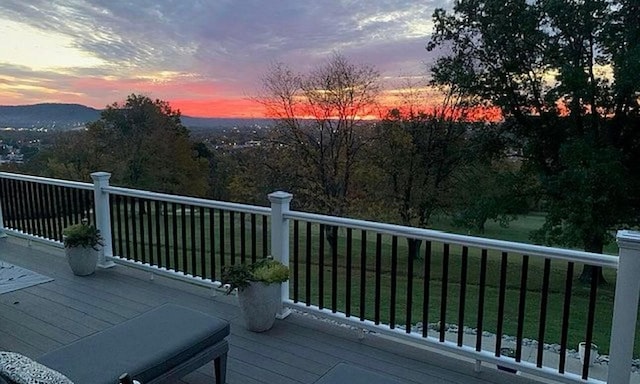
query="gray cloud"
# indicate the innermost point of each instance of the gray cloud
(234, 40)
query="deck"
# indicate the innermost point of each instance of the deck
(299, 349)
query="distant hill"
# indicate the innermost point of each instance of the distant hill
(70, 116)
(50, 115)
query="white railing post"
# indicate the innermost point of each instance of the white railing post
(103, 217)
(280, 238)
(625, 310)
(2, 234)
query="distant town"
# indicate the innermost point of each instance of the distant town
(63, 117)
(25, 130)
(10, 154)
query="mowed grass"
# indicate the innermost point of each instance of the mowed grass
(518, 230)
(198, 251)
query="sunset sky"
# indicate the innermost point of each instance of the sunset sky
(203, 56)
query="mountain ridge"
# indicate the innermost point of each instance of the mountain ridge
(63, 116)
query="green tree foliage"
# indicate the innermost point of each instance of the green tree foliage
(422, 155)
(141, 142)
(72, 155)
(547, 64)
(221, 169)
(417, 154)
(255, 174)
(491, 190)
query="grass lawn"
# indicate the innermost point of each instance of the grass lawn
(518, 230)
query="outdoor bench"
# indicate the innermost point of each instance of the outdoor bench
(158, 346)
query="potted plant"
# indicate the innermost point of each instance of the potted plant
(82, 243)
(259, 287)
(507, 352)
(592, 356)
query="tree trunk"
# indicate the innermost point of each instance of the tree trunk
(480, 223)
(331, 234)
(595, 245)
(587, 274)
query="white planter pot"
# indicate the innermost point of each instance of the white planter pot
(259, 303)
(83, 261)
(592, 356)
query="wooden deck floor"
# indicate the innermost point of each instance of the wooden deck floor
(298, 349)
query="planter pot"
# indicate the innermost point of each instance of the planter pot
(83, 261)
(259, 303)
(592, 356)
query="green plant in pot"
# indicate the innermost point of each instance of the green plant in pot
(82, 243)
(259, 286)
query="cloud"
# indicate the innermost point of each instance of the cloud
(222, 46)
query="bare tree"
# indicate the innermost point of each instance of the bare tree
(321, 127)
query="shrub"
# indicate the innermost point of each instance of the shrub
(82, 235)
(267, 270)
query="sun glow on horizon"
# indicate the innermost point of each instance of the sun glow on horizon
(223, 108)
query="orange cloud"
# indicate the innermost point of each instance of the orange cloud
(193, 97)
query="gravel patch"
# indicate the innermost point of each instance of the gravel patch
(453, 329)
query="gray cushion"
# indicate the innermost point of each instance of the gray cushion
(18, 369)
(145, 346)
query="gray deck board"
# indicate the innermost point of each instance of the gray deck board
(10, 342)
(297, 350)
(17, 329)
(285, 355)
(73, 321)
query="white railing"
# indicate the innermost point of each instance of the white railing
(194, 201)
(625, 308)
(463, 240)
(46, 180)
(627, 264)
(39, 180)
(627, 286)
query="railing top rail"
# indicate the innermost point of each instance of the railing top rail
(46, 180)
(470, 241)
(189, 200)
